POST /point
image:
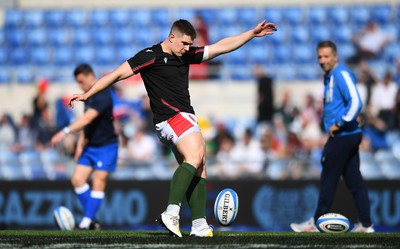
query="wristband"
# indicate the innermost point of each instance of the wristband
(66, 130)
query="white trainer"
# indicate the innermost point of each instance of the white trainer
(359, 228)
(304, 227)
(171, 223)
(205, 232)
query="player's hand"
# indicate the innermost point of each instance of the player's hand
(76, 97)
(334, 128)
(264, 28)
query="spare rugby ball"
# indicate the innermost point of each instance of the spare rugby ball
(64, 218)
(333, 223)
(226, 207)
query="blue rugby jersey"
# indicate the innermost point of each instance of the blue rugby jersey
(342, 102)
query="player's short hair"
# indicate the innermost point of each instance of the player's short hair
(327, 44)
(83, 69)
(184, 27)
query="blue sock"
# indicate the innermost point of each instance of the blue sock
(83, 194)
(93, 204)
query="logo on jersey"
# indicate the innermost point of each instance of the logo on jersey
(149, 50)
(165, 60)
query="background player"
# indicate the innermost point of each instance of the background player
(97, 147)
(164, 69)
(340, 156)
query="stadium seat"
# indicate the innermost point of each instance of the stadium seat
(123, 36)
(84, 54)
(63, 56)
(382, 14)
(341, 33)
(80, 37)
(238, 57)
(303, 53)
(16, 38)
(32, 165)
(3, 56)
(58, 37)
(274, 15)
(5, 75)
(281, 36)
(76, 18)
(55, 18)
(338, 15)
(10, 165)
(141, 17)
(14, 19)
(40, 55)
(105, 55)
(186, 13)
(18, 56)
(99, 18)
(345, 50)
(308, 71)
(25, 75)
(293, 15)
(160, 17)
(125, 52)
(248, 16)
(102, 36)
(319, 33)
(391, 52)
(243, 72)
(226, 16)
(34, 19)
(120, 18)
(2, 37)
(360, 14)
(299, 34)
(257, 53)
(37, 37)
(317, 15)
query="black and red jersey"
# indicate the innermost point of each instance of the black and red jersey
(166, 78)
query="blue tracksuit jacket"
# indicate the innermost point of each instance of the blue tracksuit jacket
(342, 102)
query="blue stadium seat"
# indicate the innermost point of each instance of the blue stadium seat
(102, 36)
(37, 37)
(308, 71)
(281, 36)
(10, 165)
(299, 34)
(25, 75)
(319, 33)
(382, 14)
(14, 18)
(123, 36)
(58, 37)
(32, 165)
(226, 16)
(63, 56)
(80, 37)
(120, 18)
(16, 38)
(341, 33)
(18, 56)
(5, 75)
(187, 14)
(303, 53)
(126, 52)
(160, 17)
(3, 56)
(243, 72)
(105, 55)
(84, 54)
(317, 15)
(141, 17)
(257, 53)
(360, 14)
(2, 37)
(345, 50)
(391, 52)
(338, 15)
(40, 55)
(248, 16)
(281, 54)
(76, 18)
(238, 57)
(34, 18)
(99, 18)
(55, 18)
(293, 15)
(273, 15)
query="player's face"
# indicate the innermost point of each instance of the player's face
(85, 81)
(327, 59)
(180, 43)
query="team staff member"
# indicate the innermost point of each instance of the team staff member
(164, 69)
(340, 156)
(97, 147)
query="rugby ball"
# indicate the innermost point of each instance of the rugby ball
(226, 207)
(333, 223)
(64, 218)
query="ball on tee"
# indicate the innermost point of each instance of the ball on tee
(226, 207)
(333, 223)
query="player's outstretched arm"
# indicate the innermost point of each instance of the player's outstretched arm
(232, 43)
(122, 72)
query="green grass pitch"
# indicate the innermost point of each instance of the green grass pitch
(222, 239)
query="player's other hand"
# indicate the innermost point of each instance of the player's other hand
(265, 28)
(333, 129)
(76, 97)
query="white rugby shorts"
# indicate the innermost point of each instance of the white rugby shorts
(175, 128)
